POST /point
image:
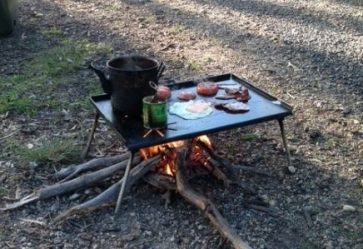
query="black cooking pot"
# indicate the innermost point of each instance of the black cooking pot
(128, 81)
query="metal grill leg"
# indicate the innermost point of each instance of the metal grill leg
(90, 138)
(127, 171)
(283, 135)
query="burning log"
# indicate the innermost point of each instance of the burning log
(205, 204)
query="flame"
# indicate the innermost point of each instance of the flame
(168, 170)
(159, 149)
(168, 154)
(205, 139)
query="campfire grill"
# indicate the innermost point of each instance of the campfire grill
(263, 107)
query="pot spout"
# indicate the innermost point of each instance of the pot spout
(105, 83)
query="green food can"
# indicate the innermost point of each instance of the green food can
(154, 113)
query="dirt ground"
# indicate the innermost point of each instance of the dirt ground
(308, 53)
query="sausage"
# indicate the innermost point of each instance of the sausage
(207, 89)
(240, 94)
(232, 107)
(186, 95)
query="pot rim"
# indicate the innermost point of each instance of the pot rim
(132, 56)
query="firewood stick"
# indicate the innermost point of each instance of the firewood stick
(160, 181)
(220, 175)
(217, 158)
(94, 164)
(307, 216)
(250, 169)
(230, 168)
(126, 176)
(91, 136)
(267, 210)
(216, 172)
(205, 205)
(167, 197)
(110, 195)
(80, 182)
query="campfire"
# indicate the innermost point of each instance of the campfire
(167, 167)
(168, 153)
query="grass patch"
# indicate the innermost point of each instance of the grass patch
(53, 32)
(52, 151)
(308, 246)
(249, 137)
(175, 30)
(294, 140)
(44, 76)
(113, 7)
(93, 88)
(353, 235)
(3, 192)
(195, 66)
(64, 59)
(330, 144)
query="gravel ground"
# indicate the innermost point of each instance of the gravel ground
(308, 53)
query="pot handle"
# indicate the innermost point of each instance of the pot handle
(105, 83)
(161, 69)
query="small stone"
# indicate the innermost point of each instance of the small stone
(349, 208)
(132, 214)
(38, 14)
(33, 164)
(329, 245)
(265, 198)
(318, 104)
(272, 203)
(200, 227)
(346, 111)
(88, 192)
(98, 190)
(281, 175)
(292, 169)
(315, 134)
(74, 196)
(148, 233)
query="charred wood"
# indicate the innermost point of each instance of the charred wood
(160, 181)
(212, 167)
(229, 167)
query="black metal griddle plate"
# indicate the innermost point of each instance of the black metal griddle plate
(263, 107)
